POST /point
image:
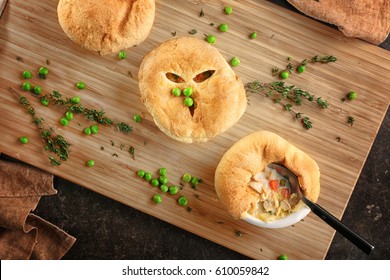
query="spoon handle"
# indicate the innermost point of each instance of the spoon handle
(331, 220)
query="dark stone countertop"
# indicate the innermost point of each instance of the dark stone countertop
(106, 229)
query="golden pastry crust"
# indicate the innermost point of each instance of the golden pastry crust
(219, 101)
(106, 26)
(251, 155)
(365, 19)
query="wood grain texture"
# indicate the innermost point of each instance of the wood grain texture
(30, 30)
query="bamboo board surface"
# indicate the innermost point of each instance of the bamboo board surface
(30, 30)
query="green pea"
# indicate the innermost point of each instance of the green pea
(352, 95)
(186, 177)
(162, 171)
(26, 74)
(69, 115)
(37, 90)
(223, 27)
(182, 201)
(163, 180)
(211, 39)
(23, 139)
(87, 131)
(137, 118)
(94, 129)
(283, 257)
(235, 61)
(26, 86)
(284, 74)
(155, 182)
(157, 198)
(253, 35)
(148, 176)
(228, 10)
(176, 91)
(64, 121)
(80, 85)
(122, 55)
(43, 71)
(44, 101)
(301, 68)
(141, 173)
(188, 101)
(173, 189)
(164, 188)
(194, 181)
(90, 163)
(188, 91)
(76, 100)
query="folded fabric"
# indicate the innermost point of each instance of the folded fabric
(24, 235)
(365, 19)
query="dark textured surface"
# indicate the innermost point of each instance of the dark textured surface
(106, 229)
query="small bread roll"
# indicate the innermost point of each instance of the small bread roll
(106, 26)
(218, 94)
(251, 155)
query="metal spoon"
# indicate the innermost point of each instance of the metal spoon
(331, 220)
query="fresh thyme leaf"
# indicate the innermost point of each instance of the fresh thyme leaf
(189, 209)
(275, 71)
(288, 107)
(307, 123)
(324, 59)
(124, 127)
(322, 102)
(193, 31)
(238, 233)
(132, 152)
(351, 120)
(19, 58)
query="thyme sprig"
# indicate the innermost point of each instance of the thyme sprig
(53, 143)
(279, 91)
(91, 114)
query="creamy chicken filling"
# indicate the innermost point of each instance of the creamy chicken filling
(275, 198)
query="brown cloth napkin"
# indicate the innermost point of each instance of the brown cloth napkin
(24, 235)
(365, 19)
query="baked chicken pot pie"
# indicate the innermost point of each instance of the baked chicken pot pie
(210, 98)
(252, 191)
(106, 26)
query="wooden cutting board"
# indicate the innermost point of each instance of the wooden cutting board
(30, 37)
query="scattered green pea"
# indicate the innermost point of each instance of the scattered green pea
(164, 188)
(173, 189)
(176, 91)
(26, 74)
(64, 121)
(137, 118)
(188, 101)
(87, 131)
(162, 171)
(223, 27)
(301, 68)
(352, 95)
(69, 115)
(94, 129)
(235, 61)
(90, 163)
(186, 177)
(80, 85)
(122, 55)
(194, 181)
(23, 139)
(211, 39)
(253, 35)
(76, 100)
(163, 180)
(37, 90)
(148, 176)
(188, 91)
(26, 86)
(43, 71)
(284, 74)
(44, 101)
(141, 173)
(228, 10)
(157, 198)
(283, 257)
(182, 201)
(155, 182)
